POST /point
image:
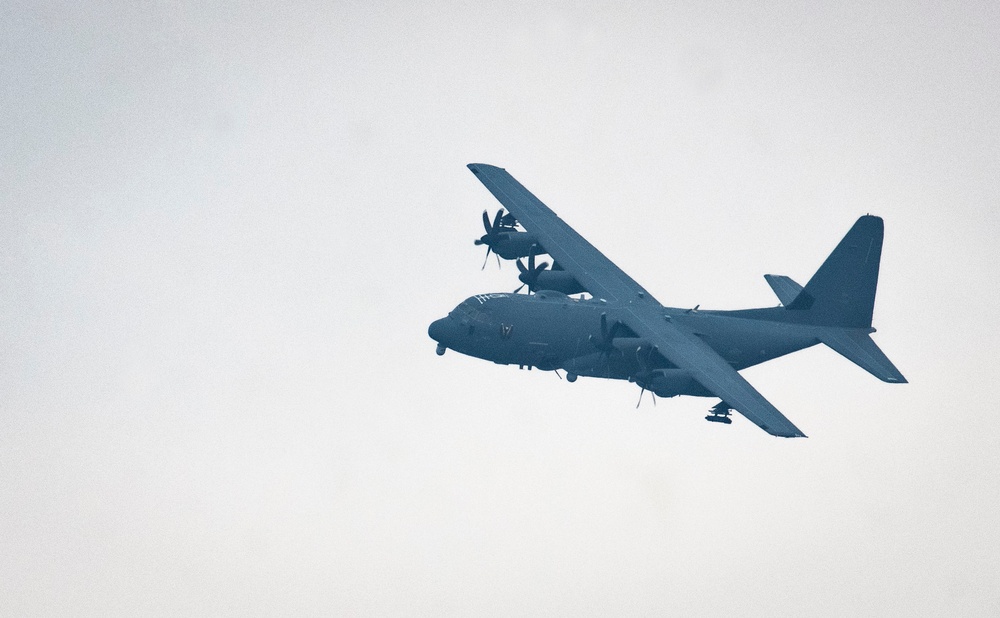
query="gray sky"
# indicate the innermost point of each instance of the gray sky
(224, 230)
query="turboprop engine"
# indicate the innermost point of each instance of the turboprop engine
(670, 383)
(504, 239)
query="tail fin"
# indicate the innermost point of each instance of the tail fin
(842, 292)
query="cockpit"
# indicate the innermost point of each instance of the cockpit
(475, 308)
(468, 322)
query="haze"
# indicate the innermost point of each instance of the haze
(224, 230)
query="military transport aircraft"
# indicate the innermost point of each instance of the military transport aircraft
(621, 332)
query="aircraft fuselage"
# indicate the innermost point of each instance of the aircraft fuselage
(550, 330)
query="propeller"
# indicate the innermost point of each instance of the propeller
(645, 373)
(529, 274)
(492, 235)
(638, 403)
(605, 344)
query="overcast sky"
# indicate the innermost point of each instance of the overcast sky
(224, 230)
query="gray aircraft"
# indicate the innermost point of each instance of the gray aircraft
(619, 331)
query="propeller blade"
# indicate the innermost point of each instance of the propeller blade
(519, 288)
(488, 249)
(496, 219)
(606, 342)
(486, 222)
(529, 274)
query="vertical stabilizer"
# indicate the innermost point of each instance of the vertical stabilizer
(842, 292)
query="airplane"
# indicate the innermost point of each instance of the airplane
(618, 330)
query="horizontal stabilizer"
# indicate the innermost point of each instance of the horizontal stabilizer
(784, 288)
(857, 346)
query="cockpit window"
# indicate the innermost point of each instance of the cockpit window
(473, 308)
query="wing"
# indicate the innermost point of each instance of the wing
(596, 273)
(633, 305)
(686, 350)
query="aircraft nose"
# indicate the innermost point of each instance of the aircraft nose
(438, 330)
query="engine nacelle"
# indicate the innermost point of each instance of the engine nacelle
(513, 244)
(558, 280)
(672, 382)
